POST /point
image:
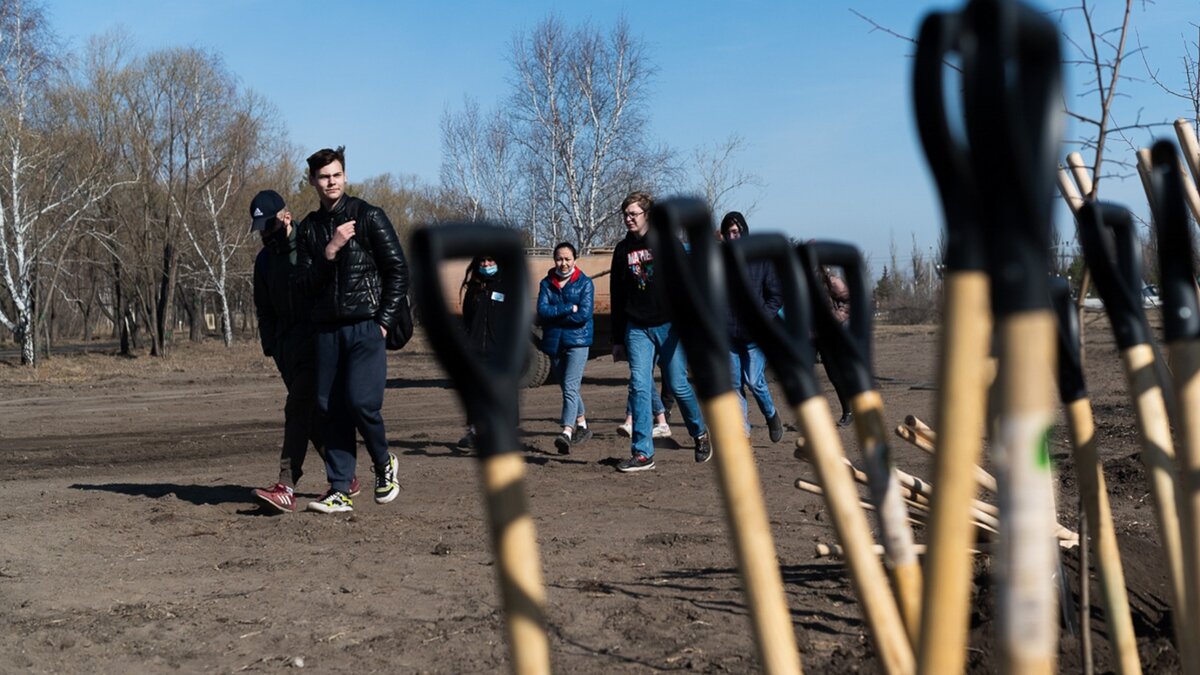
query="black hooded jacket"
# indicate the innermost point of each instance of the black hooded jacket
(281, 310)
(368, 277)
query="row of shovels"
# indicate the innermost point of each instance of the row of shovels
(1002, 340)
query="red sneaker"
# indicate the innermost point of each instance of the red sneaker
(279, 496)
(354, 489)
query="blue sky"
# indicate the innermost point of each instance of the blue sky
(821, 101)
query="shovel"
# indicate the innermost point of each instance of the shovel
(850, 354)
(963, 370)
(1181, 326)
(1012, 99)
(696, 284)
(489, 394)
(1092, 491)
(787, 345)
(1109, 242)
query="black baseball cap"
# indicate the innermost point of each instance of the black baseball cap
(265, 206)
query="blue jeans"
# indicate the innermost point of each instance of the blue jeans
(642, 345)
(568, 367)
(351, 377)
(748, 365)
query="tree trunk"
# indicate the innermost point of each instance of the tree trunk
(166, 291)
(196, 317)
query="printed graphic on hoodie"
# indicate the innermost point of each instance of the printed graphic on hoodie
(641, 266)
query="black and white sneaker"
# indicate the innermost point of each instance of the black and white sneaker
(332, 502)
(386, 485)
(563, 443)
(638, 462)
(581, 435)
(703, 449)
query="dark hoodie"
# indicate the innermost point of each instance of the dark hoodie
(281, 309)
(764, 284)
(636, 295)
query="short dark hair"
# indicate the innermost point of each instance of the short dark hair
(567, 245)
(642, 199)
(325, 157)
(734, 218)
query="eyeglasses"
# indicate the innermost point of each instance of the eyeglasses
(633, 214)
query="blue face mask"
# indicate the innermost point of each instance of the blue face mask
(488, 270)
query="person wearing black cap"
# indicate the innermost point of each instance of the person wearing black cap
(351, 266)
(287, 337)
(747, 362)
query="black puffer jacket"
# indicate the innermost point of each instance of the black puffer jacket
(369, 276)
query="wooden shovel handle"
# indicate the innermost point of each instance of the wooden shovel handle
(518, 569)
(746, 512)
(889, 506)
(1094, 494)
(962, 394)
(879, 608)
(1185, 370)
(1158, 456)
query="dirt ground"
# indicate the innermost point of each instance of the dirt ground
(129, 540)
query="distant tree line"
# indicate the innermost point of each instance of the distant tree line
(124, 176)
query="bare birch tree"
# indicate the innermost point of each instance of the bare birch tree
(46, 184)
(719, 176)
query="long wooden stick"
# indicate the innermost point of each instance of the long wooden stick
(1094, 494)
(518, 565)
(1191, 149)
(1158, 456)
(885, 493)
(1185, 369)
(880, 611)
(927, 441)
(1029, 557)
(751, 531)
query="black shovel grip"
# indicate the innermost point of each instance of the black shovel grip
(488, 390)
(850, 342)
(695, 283)
(1181, 313)
(1071, 386)
(948, 157)
(1111, 249)
(786, 341)
(1012, 101)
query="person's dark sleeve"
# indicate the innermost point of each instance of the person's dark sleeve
(263, 309)
(391, 265)
(616, 290)
(772, 292)
(312, 272)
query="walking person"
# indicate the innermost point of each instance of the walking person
(287, 337)
(564, 306)
(351, 265)
(642, 331)
(487, 314)
(839, 300)
(747, 361)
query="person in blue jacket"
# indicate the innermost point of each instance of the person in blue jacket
(564, 307)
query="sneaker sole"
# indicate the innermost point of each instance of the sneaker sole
(392, 494)
(315, 506)
(705, 458)
(660, 434)
(563, 446)
(635, 469)
(623, 433)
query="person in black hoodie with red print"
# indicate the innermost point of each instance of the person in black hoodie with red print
(487, 314)
(641, 331)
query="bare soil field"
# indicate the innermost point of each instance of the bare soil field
(129, 541)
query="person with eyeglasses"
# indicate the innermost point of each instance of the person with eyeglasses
(642, 333)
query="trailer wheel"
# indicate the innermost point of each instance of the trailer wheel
(537, 368)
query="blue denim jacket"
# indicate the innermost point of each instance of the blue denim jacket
(562, 328)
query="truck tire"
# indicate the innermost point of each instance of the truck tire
(537, 368)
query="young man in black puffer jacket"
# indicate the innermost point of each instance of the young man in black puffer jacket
(351, 265)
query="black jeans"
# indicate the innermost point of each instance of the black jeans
(351, 376)
(296, 359)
